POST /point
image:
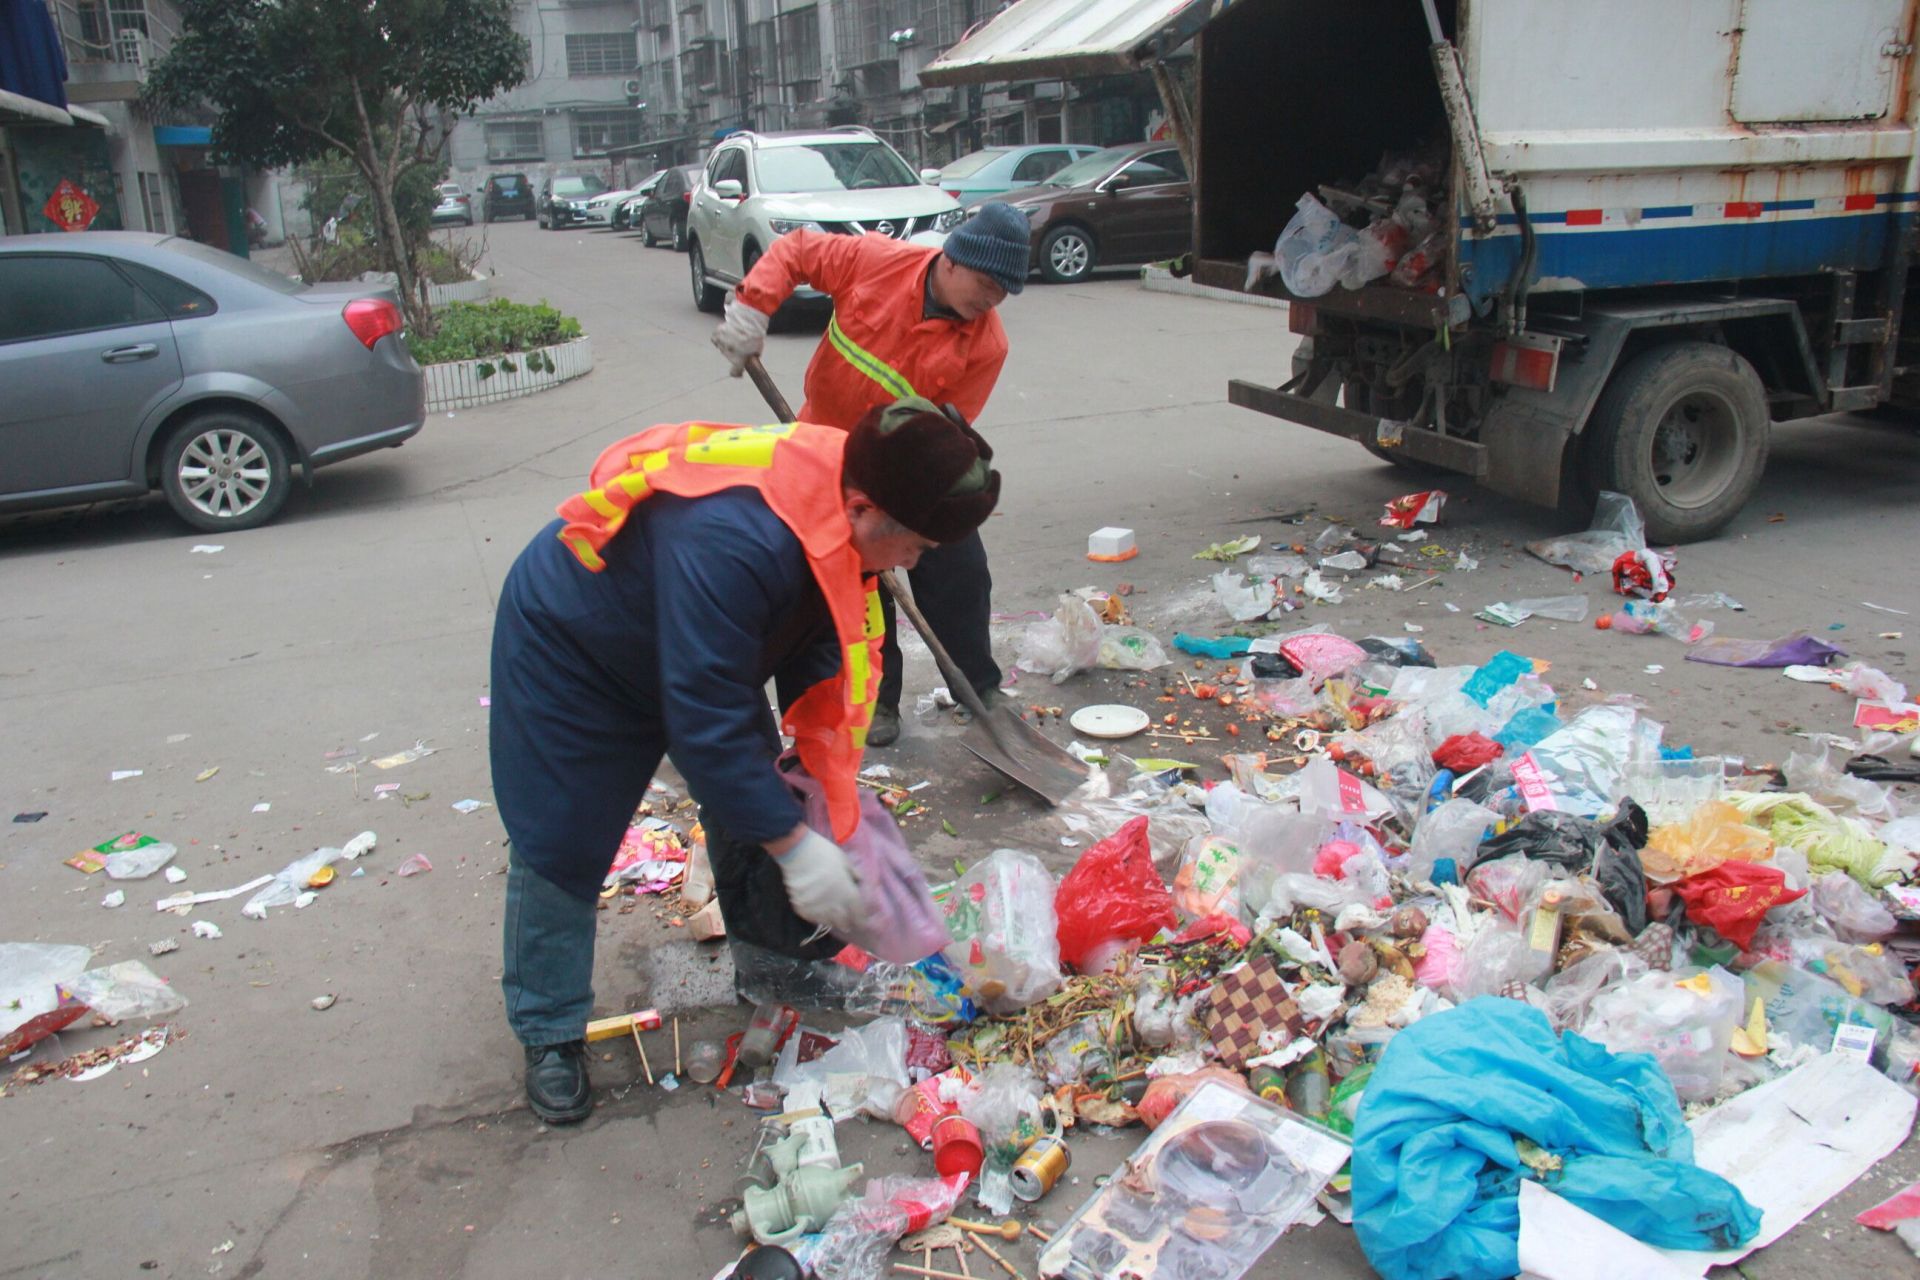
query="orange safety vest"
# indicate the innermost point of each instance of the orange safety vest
(796, 468)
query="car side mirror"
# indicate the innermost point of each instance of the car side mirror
(930, 176)
(729, 189)
(1118, 182)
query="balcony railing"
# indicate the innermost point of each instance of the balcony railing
(113, 39)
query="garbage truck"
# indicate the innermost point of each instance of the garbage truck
(1558, 247)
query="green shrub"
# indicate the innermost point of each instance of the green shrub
(471, 330)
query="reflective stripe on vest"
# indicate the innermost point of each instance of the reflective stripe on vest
(890, 379)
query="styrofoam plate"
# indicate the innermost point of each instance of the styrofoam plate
(1109, 720)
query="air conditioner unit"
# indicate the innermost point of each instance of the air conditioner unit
(633, 88)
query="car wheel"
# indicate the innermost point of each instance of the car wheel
(1682, 430)
(1066, 255)
(705, 296)
(647, 238)
(680, 237)
(225, 471)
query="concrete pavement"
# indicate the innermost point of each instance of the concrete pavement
(386, 1135)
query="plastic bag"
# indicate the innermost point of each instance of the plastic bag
(1617, 529)
(30, 973)
(1067, 642)
(1113, 893)
(1684, 1019)
(856, 1240)
(1208, 881)
(1711, 835)
(141, 862)
(1315, 250)
(1000, 914)
(1733, 897)
(290, 883)
(1465, 752)
(1820, 778)
(1166, 1094)
(1243, 600)
(898, 921)
(1571, 991)
(1508, 883)
(1497, 957)
(1320, 655)
(125, 990)
(1328, 789)
(1130, 649)
(1453, 830)
(1798, 649)
(1005, 1099)
(1806, 1009)
(1079, 1053)
(1855, 914)
(1584, 762)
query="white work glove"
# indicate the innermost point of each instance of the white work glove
(742, 335)
(820, 883)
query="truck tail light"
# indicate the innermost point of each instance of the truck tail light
(1301, 318)
(371, 319)
(1526, 360)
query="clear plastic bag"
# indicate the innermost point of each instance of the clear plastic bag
(1243, 600)
(1315, 249)
(1067, 642)
(1131, 649)
(125, 990)
(1845, 794)
(1586, 760)
(1004, 1100)
(1570, 992)
(1208, 880)
(1684, 1019)
(856, 1241)
(141, 862)
(1001, 916)
(1855, 914)
(290, 883)
(1617, 529)
(1453, 830)
(30, 972)
(1497, 956)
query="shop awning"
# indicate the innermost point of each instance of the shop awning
(1070, 40)
(182, 135)
(15, 109)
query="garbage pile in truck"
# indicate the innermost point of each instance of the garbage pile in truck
(1391, 226)
(1449, 943)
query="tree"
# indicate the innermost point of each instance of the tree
(380, 82)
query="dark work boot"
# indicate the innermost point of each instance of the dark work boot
(557, 1087)
(990, 699)
(885, 729)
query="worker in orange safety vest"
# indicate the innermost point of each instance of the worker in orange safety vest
(703, 561)
(908, 320)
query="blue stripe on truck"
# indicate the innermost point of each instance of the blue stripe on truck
(1638, 256)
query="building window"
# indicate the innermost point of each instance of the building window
(153, 203)
(800, 48)
(514, 140)
(600, 55)
(595, 131)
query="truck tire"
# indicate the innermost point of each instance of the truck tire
(1682, 429)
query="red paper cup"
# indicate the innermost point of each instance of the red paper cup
(957, 1147)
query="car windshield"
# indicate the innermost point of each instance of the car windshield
(224, 261)
(1091, 169)
(506, 186)
(587, 186)
(449, 190)
(832, 166)
(967, 166)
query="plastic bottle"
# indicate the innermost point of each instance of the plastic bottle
(856, 1240)
(1309, 1090)
(704, 1059)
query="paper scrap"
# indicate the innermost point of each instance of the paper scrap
(214, 895)
(1881, 608)
(206, 929)
(207, 549)
(1561, 1241)
(175, 875)
(1851, 1040)
(263, 807)
(470, 806)
(122, 774)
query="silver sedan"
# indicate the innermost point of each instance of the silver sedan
(133, 362)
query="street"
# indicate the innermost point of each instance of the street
(388, 1134)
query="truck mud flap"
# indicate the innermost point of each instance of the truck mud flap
(1418, 444)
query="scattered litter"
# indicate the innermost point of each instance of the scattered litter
(35, 816)
(205, 774)
(323, 1003)
(163, 947)
(1230, 550)
(206, 929)
(91, 1064)
(470, 806)
(115, 899)
(207, 549)
(1881, 608)
(413, 866)
(485, 701)
(180, 900)
(175, 875)
(1653, 668)
(381, 790)
(120, 775)
(1112, 545)
(418, 751)
(1414, 508)
(267, 807)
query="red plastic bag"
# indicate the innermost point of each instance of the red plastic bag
(1112, 893)
(1734, 897)
(1217, 925)
(1465, 751)
(1168, 1092)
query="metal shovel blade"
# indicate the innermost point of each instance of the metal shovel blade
(1025, 755)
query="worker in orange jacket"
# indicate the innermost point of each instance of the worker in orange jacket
(908, 320)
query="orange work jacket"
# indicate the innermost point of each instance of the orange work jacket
(796, 468)
(880, 345)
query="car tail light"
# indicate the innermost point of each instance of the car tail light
(371, 319)
(1301, 318)
(1526, 360)
(953, 193)
(687, 195)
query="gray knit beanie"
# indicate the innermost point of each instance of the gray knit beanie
(996, 240)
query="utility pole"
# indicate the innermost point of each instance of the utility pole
(743, 63)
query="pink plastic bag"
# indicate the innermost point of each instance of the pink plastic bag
(1112, 894)
(900, 923)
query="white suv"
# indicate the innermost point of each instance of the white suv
(758, 186)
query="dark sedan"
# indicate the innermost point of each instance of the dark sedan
(1122, 206)
(134, 361)
(662, 218)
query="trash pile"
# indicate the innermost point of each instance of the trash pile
(1445, 941)
(1391, 225)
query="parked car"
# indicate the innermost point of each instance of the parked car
(994, 171)
(662, 216)
(759, 186)
(136, 361)
(506, 195)
(455, 205)
(624, 209)
(599, 210)
(1124, 205)
(564, 197)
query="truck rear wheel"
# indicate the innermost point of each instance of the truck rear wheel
(1682, 430)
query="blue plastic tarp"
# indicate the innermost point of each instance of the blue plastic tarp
(32, 64)
(1437, 1167)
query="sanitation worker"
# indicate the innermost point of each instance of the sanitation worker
(703, 562)
(907, 320)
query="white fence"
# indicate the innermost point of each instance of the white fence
(439, 295)
(462, 384)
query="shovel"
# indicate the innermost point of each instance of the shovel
(999, 737)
